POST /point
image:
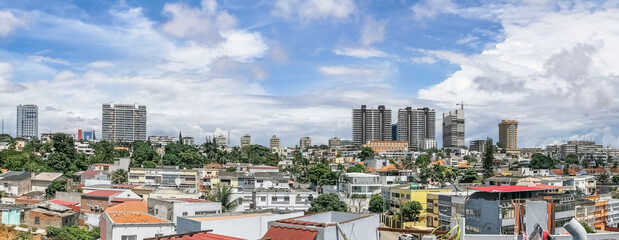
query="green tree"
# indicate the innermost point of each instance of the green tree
(103, 152)
(588, 228)
(121, 153)
(571, 158)
(469, 176)
(450, 174)
(120, 176)
(541, 161)
(357, 168)
(72, 232)
(328, 202)
(377, 204)
(23, 236)
(320, 174)
(365, 153)
(223, 195)
(470, 159)
(411, 211)
(143, 152)
(616, 179)
(603, 178)
(55, 186)
(422, 161)
(488, 159)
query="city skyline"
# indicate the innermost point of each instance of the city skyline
(294, 72)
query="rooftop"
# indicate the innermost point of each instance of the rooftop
(514, 188)
(227, 217)
(183, 200)
(101, 193)
(133, 217)
(47, 176)
(195, 236)
(290, 233)
(15, 176)
(129, 207)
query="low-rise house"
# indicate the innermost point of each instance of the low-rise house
(72, 205)
(133, 226)
(362, 184)
(51, 215)
(91, 177)
(165, 177)
(41, 181)
(15, 183)
(97, 201)
(325, 226)
(262, 168)
(129, 207)
(171, 209)
(281, 199)
(205, 235)
(253, 225)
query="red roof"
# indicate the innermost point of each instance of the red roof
(122, 200)
(545, 187)
(514, 188)
(197, 236)
(63, 203)
(90, 173)
(289, 233)
(304, 223)
(104, 164)
(101, 193)
(125, 186)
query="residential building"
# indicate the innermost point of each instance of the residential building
(50, 215)
(585, 184)
(123, 122)
(283, 152)
(97, 201)
(262, 168)
(388, 146)
(371, 124)
(429, 144)
(443, 208)
(305, 143)
(220, 141)
(325, 226)
(362, 184)
(508, 135)
(453, 129)
(161, 140)
(275, 142)
(477, 146)
(172, 208)
(389, 175)
(165, 177)
(401, 194)
(188, 140)
(84, 147)
(15, 183)
(254, 225)
(129, 207)
(41, 181)
(415, 126)
(133, 226)
(245, 141)
(47, 137)
(27, 121)
(204, 235)
(278, 198)
(335, 142)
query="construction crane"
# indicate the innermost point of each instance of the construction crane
(461, 104)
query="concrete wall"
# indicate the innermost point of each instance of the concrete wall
(10, 216)
(69, 196)
(361, 229)
(488, 221)
(46, 220)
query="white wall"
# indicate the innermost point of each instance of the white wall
(141, 230)
(248, 227)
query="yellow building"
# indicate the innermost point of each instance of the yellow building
(400, 195)
(387, 146)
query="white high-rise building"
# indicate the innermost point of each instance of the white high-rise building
(275, 142)
(27, 121)
(305, 143)
(245, 141)
(453, 129)
(417, 127)
(371, 125)
(123, 122)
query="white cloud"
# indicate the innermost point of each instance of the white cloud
(431, 8)
(551, 78)
(9, 22)
(48, 60)
(202, 24)
(101, 64)
(307, 10)
(366, 76)
(372, 32)
(360, 52)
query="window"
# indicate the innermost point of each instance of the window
(286, 199)
(156, 211)
(263, 198)
(274, 199)
(185, 214)
(89, 202)
(37, 220)
(158, 235)
(129, 237)
(507, 213)
(100, 202)
(6, 185)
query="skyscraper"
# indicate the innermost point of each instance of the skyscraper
(453, 129)
(508, 134)
(245, 140)
(417, 127)
(123, 122)
(27, 121)
(305, 143)
(275, 142)
(371, 124)
(335, 142)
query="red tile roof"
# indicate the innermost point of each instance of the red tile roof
(304, 223)
(196, 236)
(515, 188)
(101, 193)
(63, 203)
(90, 173)
(104, 164)
(289, 233)
(557, 171)
(125, 186)
(122, 200)
(134, 217)
(129, 207)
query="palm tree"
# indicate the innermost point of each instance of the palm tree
(603, 178)
(119, 176)
(223, 194)
(450, 174)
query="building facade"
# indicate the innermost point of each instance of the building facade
(123, 122)
(335, 142)
(27, 121)
(508, 134)
(388, 146)
(220, 141)
(305, 143)
(477, 145)
(275, 142)
(188, 140)
(245, 141)
(371, 124)
(453, 129)
(415, 126)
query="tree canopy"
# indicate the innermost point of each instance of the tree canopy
(328, 202)
(411, 211)
(488, 159)
(365, 153)
(357, 168)
(55, 186)
(422, 161)
(541, 161)
(377, 204)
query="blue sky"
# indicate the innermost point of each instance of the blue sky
(296, 67)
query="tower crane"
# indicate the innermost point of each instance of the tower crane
(461, 104)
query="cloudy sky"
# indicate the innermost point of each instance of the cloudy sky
(297, 67)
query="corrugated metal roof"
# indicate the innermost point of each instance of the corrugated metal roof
(196, 236)
(289, 233)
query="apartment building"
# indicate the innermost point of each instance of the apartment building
(123, 122)
(335, 142)
(172, 208)
(275, 142)
(305, 143)
(362, 184)
(387, 146)
(416, 126)
(508, 135)
(27, 121)
(165, 177)
(453, 129)
(371, 124)
(245, 141)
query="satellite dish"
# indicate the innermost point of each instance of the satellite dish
(177, 181)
